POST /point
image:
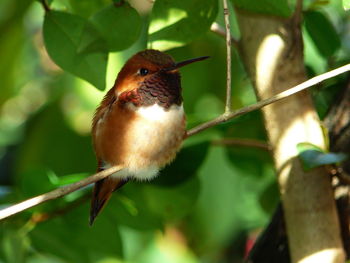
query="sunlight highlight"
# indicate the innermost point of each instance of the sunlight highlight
(305, 128)
(326, 255)
(174, 15)
(267, 60)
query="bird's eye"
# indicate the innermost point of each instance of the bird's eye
(143, 71)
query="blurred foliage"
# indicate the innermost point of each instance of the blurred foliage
(346, 4)
(204, 205)
(321, 30)
(269, 7)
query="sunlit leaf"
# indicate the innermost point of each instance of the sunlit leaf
(311, 156)
(176, 23)
(304, 146)
(322, 32)
(346, 4)
(62, 35)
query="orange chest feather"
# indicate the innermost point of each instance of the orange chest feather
(139, 138)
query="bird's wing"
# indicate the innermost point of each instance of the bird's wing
(104, 107)
(104, 188)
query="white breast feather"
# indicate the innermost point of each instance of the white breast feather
(155, 129)
(156, 113)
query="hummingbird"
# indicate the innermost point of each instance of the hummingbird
(140, 123)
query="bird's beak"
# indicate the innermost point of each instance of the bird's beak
(184, 63)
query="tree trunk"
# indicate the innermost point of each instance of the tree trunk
(271, 49)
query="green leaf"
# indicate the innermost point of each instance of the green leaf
(185, 165)
(226, 194)
(69, 237)
(175, 202)
(305, 146)
(177, 22)
(269, 197)
(312, 156)
(34, 181)
(268, 7)
(62, 36)
(322, 33)
(91, 41)
(120, 26)
(71, 155)
(128, 207)
(86, 8)
(346, 4)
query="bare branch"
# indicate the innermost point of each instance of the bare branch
(219, 30)
(14, 209)
(228, 57)
(243, 142)
(17, 208)
(44, 216)
(298, 11)
(307, 84)
(45, 5)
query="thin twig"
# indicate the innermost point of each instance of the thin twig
(17, 208)
(307, 84)
(228, 57)
(45, 5)
(298, 11)
(243, 142)
(14, 209)
(219, 30)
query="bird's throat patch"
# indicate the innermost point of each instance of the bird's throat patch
(162, 89)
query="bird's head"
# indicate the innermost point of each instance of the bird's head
(147, 66)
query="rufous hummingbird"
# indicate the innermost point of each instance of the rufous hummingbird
(140, 123)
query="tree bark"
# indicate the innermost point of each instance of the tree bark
(271, 49)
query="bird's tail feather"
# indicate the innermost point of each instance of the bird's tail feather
(103, 190)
